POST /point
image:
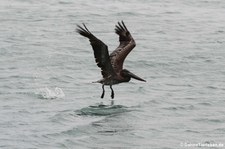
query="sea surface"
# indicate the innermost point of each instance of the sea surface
(48, 100)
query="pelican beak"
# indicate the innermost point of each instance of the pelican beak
(135, 77)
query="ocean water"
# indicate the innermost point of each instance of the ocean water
(47, 99)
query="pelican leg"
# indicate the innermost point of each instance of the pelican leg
(103, 91)
(112, 93)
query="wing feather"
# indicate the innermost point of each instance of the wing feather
(100, 51)
(127, 43)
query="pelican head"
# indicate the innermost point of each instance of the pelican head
(128, 75)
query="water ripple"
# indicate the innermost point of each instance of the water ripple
(103, 110)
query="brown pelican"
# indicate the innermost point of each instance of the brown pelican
(112, 65)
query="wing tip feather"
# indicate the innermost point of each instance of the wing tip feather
(83, 31)
(120, 27)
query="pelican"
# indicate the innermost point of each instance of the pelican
(111, 65)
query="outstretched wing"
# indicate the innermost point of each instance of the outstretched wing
(127, 43)
(100, 51)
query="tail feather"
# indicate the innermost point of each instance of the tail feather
(99, 81)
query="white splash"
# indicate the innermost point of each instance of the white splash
(47, 93)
